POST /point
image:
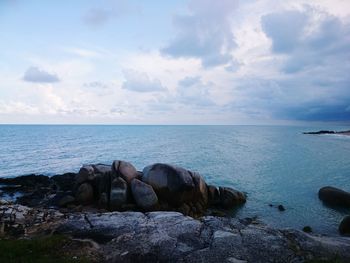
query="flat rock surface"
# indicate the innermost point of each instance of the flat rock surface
(173, 237)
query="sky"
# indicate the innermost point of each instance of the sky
(174, 62)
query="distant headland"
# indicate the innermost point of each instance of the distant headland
(329, 132)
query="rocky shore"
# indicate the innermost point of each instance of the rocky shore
(164, 213)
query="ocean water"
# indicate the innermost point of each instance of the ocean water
(272, 164)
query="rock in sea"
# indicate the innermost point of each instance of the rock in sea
(344, 227)
(334, 196)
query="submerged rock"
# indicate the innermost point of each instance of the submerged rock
(281, 208)
(344, 227)
(307, 229)
(334, 196)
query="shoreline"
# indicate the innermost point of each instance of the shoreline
(99, 210)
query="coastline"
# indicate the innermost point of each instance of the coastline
(50, 207)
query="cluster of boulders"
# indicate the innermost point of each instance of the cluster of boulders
(337, 197)
(121, 187)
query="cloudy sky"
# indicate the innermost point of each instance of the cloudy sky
(174, 62)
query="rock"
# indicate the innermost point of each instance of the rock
(281, 208)
(200, 190)
(344, 227)
(118, 194)
(307, 229)
(173, 237)
(102, 168)
(213, 195)
(144, 195)
(334, 196)
(102, 183)
(64, 182)
(124, 169)
(66, 200)
(85, 194)
(230, 198)
(86, 173)
(103, 201)
(172, 184)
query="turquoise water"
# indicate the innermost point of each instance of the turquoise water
(273, 165)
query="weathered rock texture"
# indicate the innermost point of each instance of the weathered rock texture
(173, 237)
(159, 187)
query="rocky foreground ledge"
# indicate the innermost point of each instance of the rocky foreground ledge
(172, 237)
(162, 214)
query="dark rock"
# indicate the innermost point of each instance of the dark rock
(334, 196)
(119, 193)
(85, 194)
(281, 208)
(144, 195)
(64, 182)
(124, 169)
(102, 184)
(200, 191)
(344, 227)
(66, 200)
(86, 173)
(307, 229)
(102, 168)
(230, 198)
(213, 195)
(28, 181)
(172, 184)
(103, 201)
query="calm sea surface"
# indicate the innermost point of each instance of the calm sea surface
(273, 165)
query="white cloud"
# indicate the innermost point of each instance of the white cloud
(140, 82)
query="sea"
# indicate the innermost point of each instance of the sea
(273, 165)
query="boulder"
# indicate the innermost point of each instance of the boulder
(172, 184)
(144, 195)
(86, 173)
(66, 200)
(344, 227)
(213, 195)
(64, 182)
(124, 169)
(230, 198)
(118, 193)
(334, 196)
(200, 188)
(102, 184)
(102, 168)
(85, 194)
